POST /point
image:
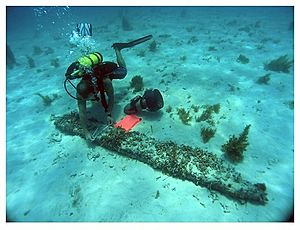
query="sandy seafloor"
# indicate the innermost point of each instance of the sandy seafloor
(54, 177)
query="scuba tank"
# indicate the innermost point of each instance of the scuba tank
(87, 62)
(91, 59)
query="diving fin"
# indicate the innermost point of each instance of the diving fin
(84, 29)
(120, 46)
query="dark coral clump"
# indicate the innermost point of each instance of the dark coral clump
(195, 108)
(184, 116)
(290, 104)
(30, 61)
(264, 79)
(10, 58)
(281, 64)
(153, 46)
(212, 48)
(207, 134)
(216, 108)
(37, 50)
(169, 109)
(207, 114)
(48, 51)
(235, 146)
(54, 62)
(137, 83)
(242, 59)
(126, 26)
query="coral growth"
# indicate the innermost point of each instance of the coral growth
(246, 29)
(115, 139)
(182, 58)
(76, 195)
(216, 108)
(242, 59)
(207, 114)
(290, 104)
(141, 53)
(257, 24)
(49, 50)
(235, 146)
(126, 26)
(47, 101)
(212, 48)
(10, 58)
(169, 109)
(264, 79)
(207, 134)
(153, 46)
(55, 62)
(30, 61)
(37, 50)
(281, 64)
(137, 83)
(184, 116)
(190, 29)
(232, 23)
(195, 108)
(193, 39)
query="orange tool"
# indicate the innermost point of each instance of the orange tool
(128, 122)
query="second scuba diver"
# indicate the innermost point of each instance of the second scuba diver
(151, 100)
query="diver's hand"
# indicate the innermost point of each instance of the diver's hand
(110, 120)
(88, 136)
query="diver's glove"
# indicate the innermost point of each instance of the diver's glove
(110, 120)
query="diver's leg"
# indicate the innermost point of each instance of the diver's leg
(120, 58)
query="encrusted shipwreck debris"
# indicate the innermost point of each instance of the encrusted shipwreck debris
(179, 161)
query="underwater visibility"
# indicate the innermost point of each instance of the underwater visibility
(150, 114)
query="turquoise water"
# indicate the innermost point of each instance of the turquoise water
(197, 61)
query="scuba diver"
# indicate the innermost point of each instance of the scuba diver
(96, 80)
(152, 101)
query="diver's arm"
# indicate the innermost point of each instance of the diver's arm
(110, 94)
(134, 106)
(82, 114)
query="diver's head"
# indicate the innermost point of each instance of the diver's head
(74, 71)
(153, 100)
(85, 89)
